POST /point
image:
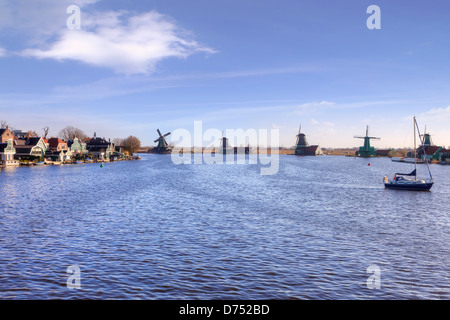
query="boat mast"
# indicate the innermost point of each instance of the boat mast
(423, 148)
(415, 150)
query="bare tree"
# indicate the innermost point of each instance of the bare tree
(131, 144)
(46, 129)
(70, 133)
(3, 124)
(118, 141)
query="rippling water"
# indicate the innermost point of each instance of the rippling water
(151, 230)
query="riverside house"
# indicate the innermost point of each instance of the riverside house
(5, 135)
(31, 149)
(7, 152)
(58, 150)
(99, 147)
(77, 147)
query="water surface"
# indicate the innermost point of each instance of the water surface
(149, 229)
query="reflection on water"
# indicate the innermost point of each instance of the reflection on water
(151, 230)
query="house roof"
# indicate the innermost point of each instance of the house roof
(33, 141)
(444, 151)
(24, 150)
(20, 142)
(54, 142)
(429, 150)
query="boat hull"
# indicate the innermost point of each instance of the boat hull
(409, 186)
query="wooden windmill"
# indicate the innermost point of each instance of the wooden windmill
(163, 146)
(366, 150)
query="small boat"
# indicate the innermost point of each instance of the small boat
(40, 163)
(404, 181)
(407, 160)
(77, 162)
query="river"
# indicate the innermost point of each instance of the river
(150, 229)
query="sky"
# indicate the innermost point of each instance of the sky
(135, 66)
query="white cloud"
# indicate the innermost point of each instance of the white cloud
(2, 52)
(435, 114)
(128, 44)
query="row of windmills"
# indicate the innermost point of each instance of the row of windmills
(302, 148)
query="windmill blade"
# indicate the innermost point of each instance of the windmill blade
(159, 132)
(166, 134)
(359, 137)
(156, 140)
(374, 138)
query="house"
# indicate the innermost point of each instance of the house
(76, 146)
(30, 149)
(314, 150)
(444, 155)
(56, 144)
(118, 153)
(5, 135)
(99, 147)
(383, 152)
(7, 152)
(428, 150)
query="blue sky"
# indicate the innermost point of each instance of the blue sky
(135, 66)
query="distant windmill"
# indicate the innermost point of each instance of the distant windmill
(302, 148)
(301, 138)
(162, 146)
(366, 150)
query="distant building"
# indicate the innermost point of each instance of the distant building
(383, 152)
(21, 134)
(444, 155)
(5, 135)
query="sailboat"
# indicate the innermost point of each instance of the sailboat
(404, 181)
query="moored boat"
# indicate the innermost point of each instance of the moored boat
(404, 181)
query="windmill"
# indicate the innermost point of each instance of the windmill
(162, 146)
(366, 150)
(224, 145)
(301, 139)
(302, 148)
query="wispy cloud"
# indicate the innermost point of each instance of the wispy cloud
(126, 43)
(435, 114)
